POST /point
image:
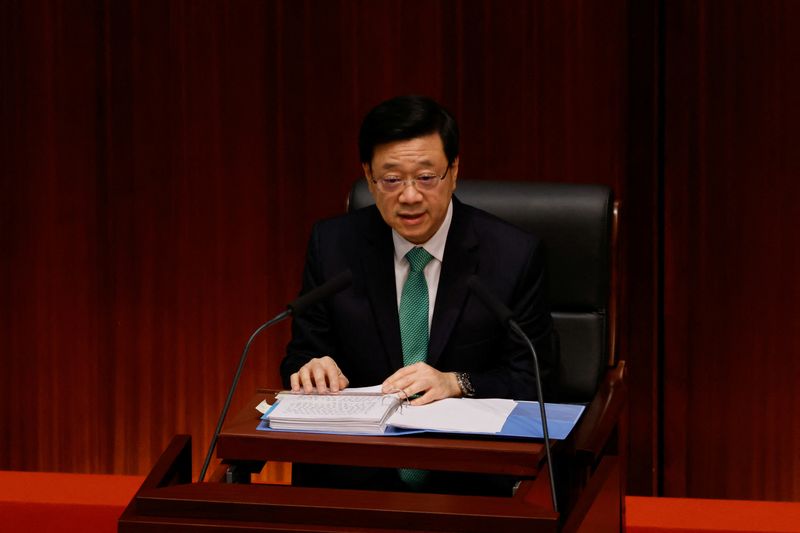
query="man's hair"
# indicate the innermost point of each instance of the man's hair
(403, 118)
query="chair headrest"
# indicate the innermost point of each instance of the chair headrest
(573, 220)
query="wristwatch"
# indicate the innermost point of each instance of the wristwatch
(467, 390)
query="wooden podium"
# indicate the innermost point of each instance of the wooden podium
(169, 501)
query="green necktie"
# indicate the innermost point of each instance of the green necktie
(414, 331)
(414, 309)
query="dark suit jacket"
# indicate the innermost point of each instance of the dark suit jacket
(359, 327)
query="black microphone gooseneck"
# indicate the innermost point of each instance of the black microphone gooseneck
(505, 316)
(337, 283)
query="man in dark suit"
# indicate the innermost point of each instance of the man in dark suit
(409, 321)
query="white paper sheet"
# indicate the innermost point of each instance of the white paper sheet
(456, 414)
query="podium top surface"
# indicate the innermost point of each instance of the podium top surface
(240, 440)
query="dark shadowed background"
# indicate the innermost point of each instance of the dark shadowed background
(162, 164)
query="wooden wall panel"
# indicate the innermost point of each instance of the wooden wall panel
(164, 162)
(641, 248)
(51, 354)
(732, 412)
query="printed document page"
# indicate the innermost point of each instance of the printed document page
(466, 415)
(332, 412)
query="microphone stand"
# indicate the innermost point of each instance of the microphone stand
(518, 330)
(236, 376)
(330, 287)
(505, 316)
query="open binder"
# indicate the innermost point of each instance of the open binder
(362, 413)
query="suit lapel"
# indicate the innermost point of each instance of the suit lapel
(378, 262)
(460, 260)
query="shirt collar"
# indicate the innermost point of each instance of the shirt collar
(434, 246)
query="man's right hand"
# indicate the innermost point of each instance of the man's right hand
(321, 373)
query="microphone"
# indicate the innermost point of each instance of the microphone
(336, 284)
(506, 317)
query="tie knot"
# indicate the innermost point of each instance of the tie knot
(418, 257)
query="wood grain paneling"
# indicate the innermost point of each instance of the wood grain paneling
(641, 247)
(164, 161)
(732, 413)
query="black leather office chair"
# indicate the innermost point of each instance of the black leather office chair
(578, 224)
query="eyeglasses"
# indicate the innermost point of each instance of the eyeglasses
(423, 182)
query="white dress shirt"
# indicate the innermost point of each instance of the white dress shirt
(435, 247)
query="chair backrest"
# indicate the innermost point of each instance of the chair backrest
(578, 226)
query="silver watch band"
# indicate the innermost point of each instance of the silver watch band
(465, 384)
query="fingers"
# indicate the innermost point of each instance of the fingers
(422, 378)
(428, 397)
(321, 374)
(446, 387)
(402, 378)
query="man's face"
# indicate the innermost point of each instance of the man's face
(413, 213)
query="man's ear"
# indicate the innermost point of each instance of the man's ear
(454, 171)
(366, 167)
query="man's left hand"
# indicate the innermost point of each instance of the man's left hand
(421, 378)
